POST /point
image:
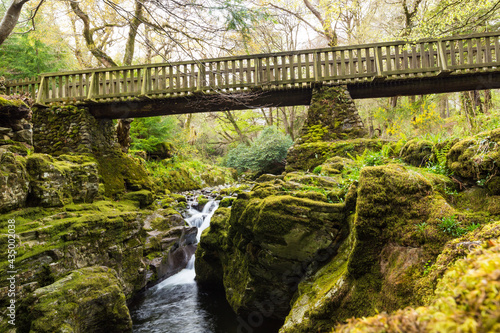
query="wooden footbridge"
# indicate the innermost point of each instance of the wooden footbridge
(427, 66)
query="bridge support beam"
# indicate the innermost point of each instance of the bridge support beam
(423, 86)
(200, 102)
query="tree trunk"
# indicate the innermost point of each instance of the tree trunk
(330, 33)
(135, 22)
(10, 19)
(88, 34)
(488, 102)
(242, 136)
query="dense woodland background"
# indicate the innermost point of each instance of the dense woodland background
(60, 35)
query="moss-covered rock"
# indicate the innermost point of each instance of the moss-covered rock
(226, 202)
(58, 181)
(376, 268)
(120, 172)
(477, 157)
(308, 156)
(466, 300)
(87, 300)
(210, 251)
(144, 197)
(417, 152)
(56, 241)
(267, 246)
(14, 181)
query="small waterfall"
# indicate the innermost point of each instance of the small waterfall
(176, 305)
(173, 305)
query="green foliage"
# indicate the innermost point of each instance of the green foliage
(146, 133)
(438, 164)
(270, 147)
(317, 170)
(451, 226)
(240, 17)
(427, 267)
(24, 56)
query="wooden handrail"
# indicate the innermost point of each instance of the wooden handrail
(283, 70)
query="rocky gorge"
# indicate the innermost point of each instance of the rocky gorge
(355, 227)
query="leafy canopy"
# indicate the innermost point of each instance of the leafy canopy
(25, 55)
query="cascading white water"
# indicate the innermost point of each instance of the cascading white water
(201, 220)
(176, 305)
(173, 305)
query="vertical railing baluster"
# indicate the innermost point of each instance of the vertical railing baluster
(487, 42)
(379, 65)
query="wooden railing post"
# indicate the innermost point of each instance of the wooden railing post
(443, 63)
(200, 80)
(42, 93)
(92, 86)
(146, 78)
(378, 63)
(317, 67)
(258, 66)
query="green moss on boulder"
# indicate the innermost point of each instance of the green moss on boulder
(120, 173)
(266, 245)
(58, 181)
(307, 156)
(476, 157)
(14, 181)
(417, 152)
(87, 300)
(144, 197)
(466, 300)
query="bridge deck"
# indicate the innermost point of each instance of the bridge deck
(278, 79)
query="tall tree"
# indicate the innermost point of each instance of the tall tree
(10, 18)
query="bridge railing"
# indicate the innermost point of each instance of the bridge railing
(398, 60)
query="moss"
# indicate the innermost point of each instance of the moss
(477, 199)
(16, 103)
(466, 300)
(226, 202)
(307, 156)
(477, 157)
(144, 197)
(89, 299)
(120, 173)
(208, 264)
(417, 152)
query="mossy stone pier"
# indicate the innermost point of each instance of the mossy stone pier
(458, 63)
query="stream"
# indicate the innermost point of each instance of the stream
(177, 305)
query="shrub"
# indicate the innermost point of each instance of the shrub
(268, 150)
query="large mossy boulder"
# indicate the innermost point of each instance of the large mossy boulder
(120, 173)
(417, 152)
(476, 157)
(265, 246)
(466, 300)
(87, 300)
(307, 156)
(59, 240)
(62, 180)
(394, 230)
(14, 181)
